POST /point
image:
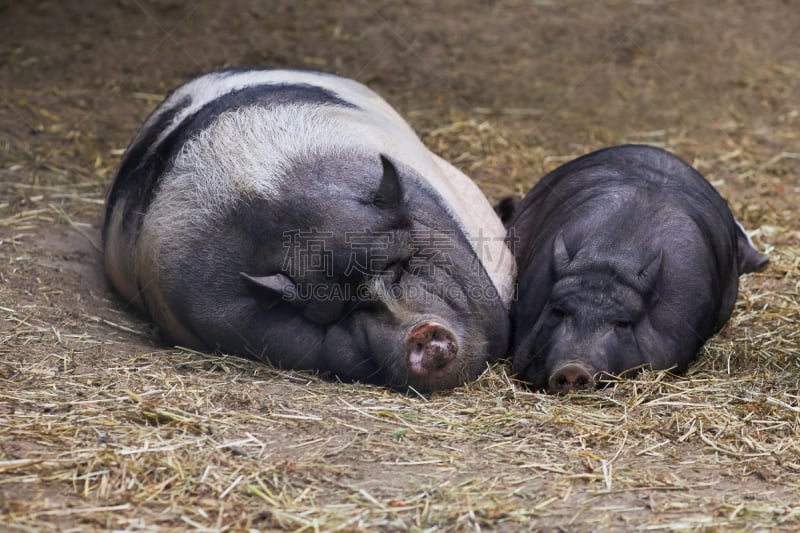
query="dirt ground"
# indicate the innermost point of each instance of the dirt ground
(102, 428)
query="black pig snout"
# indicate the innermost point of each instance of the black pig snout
(572, 377)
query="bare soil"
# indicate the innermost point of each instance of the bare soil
(102, 427)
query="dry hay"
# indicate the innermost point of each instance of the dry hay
(103, 429)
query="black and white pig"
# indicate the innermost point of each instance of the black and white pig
(627, 258)
(294, 217)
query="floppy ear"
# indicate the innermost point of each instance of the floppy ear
(649, 274)
(561, 257)
(276, 285)
(390, 192)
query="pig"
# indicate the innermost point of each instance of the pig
(628, 259)
(294, 217)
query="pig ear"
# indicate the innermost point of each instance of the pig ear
(560, 255)
(749, 260)
(390, 193)
(275, 285)
(649, 274)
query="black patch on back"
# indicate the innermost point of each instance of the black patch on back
(138, 173)
(145, 164)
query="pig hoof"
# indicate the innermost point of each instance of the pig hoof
(430, 347)
(571, 378)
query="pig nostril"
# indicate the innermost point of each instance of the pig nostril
(431, 348)
(571, 378)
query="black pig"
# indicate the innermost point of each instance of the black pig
(295, 217)
(627, 258)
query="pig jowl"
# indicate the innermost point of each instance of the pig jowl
(628, 258)
(294, 217)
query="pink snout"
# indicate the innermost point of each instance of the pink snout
(430, 349)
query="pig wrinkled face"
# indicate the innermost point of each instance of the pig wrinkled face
(403, 302)
(589, 325)
(439, 344)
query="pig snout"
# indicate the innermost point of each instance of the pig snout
(430, 349)
(572, 377)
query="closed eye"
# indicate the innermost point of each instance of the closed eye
(392, 273)
(623, 324)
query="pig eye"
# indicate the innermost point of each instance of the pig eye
(557, 314)
(623, 324)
